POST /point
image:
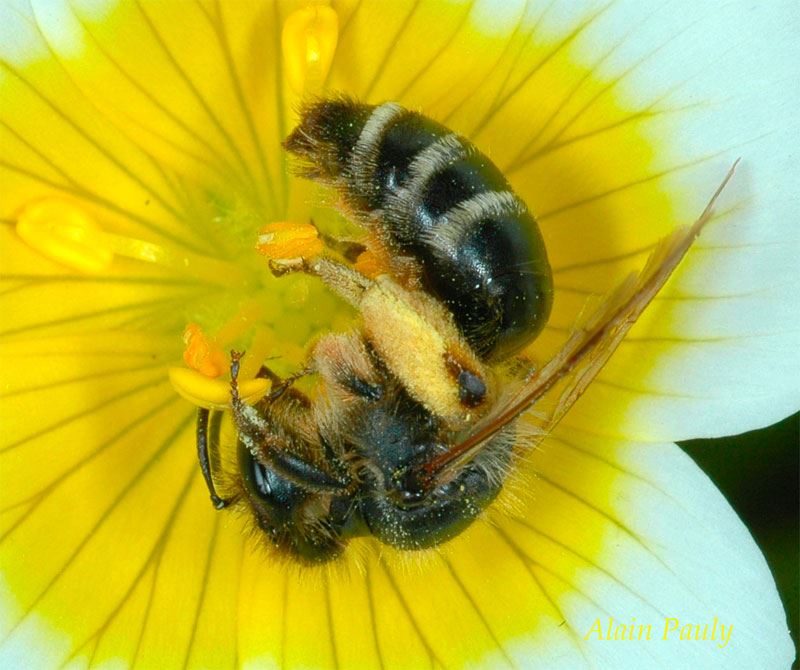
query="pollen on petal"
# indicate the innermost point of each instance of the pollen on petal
(309, 42)
(202, 353)
(287, 240)
(64, 231)
(214, 393)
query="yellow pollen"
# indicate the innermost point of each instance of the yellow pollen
(202, 353)
(205, 355)
(286, 240)
(309, 42)
(62, 230)
(214, 393)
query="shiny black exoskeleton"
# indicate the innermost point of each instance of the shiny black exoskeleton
(442, 203)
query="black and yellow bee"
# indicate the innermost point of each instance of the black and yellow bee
(414, 430)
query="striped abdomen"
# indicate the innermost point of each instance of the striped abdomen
(443, 203)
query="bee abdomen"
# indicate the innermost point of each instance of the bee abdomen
(437, 199)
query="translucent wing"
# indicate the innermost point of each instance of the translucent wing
(584, 353)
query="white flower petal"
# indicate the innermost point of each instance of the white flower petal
(672, 548)
(720, 345)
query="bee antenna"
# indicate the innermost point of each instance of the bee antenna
(235, 358)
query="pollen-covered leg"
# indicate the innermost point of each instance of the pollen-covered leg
(253, 429)
(342, 279)
(345, 281)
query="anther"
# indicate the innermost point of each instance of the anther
(289, 241)
(308, 42)
(65, 232)
(203, 353)
(214, 393)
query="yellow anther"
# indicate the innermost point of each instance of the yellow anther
(63, 231)
(214, 393)
(286, 240)
(309, 41)
(203, 354)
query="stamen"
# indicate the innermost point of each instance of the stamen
(257, 352)
(62, 230)
(200, 267)
(206, 353)
(286, 240)
(67, 233)
(214, 393)
(243, 321)
(202, 353)
(309, 42)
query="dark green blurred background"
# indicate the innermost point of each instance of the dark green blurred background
(759, 473)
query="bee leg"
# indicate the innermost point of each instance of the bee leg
(342, 279)
(203, 439)
(267, 448)
(254, 429)
(346, 281)
(281, 267)
(279, 384)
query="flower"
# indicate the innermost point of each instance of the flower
(140, 153)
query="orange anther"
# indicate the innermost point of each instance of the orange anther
(202, 353)
(287, 240)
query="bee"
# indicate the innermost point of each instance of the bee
(414, 429)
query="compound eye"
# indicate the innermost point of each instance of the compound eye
(260, 478)
(471, 389)
(264, 486)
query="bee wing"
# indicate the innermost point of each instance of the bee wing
(584, 353)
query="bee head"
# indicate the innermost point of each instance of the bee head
(327, 132)
(295, 520)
